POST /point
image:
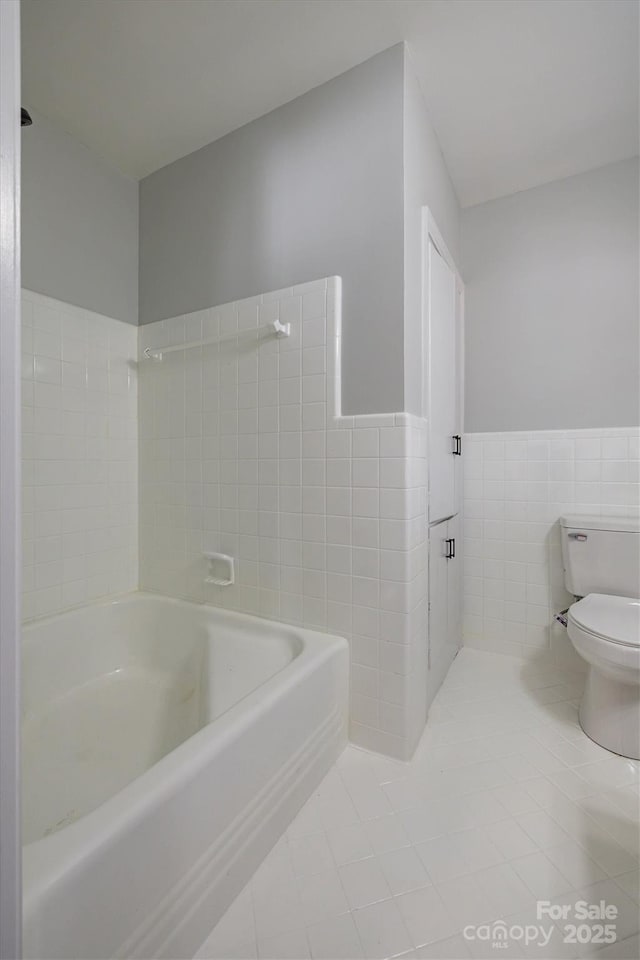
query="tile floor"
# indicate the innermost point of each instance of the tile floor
(506, 802)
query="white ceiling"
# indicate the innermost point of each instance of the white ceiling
(520, 92)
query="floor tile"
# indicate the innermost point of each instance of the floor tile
(403, 794)
(403, 870)
(335, 806)
(386, 833)
(570, 753)
(505, 802)
(543, 759)
(614, 820)
(475, 810)
(430, 820)
(600, 846)
(630, 883)
(506, 890)
(367, 796)
(286, 946)
(520, 768)
(504, 745)
(515, 799)
(350, 842)
(425, 916)
(364, 882)
(542, 829)
(541, 876)
(385, 769)
(443, 858)
(628, 949)
(463, 753)
(335, 939)
(466, 901)
(477, 847)
(607, 774)
(571, 783)
(382, 930)
(574, 862)
(626, 799)
(628, 919)
(510, 839)
(322, 895)
(277, 910)
(543, 791)
(453, 948)
(310, 854)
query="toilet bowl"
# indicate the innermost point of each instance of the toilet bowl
(601, 560)
(605, 631)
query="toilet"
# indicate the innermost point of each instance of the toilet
(601, 559)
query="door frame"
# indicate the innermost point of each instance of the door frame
(10, 504)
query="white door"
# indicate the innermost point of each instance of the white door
(443, 389)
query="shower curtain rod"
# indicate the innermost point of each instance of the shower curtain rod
(275, 328)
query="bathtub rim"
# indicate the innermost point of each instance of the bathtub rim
(51, 857)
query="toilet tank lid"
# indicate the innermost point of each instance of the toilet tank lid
(585, 521)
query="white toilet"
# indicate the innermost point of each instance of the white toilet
(601, 559)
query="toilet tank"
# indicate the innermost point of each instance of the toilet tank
(601, 555)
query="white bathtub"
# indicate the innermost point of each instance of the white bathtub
(166, 747)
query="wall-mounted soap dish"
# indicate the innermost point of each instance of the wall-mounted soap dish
(216, 561)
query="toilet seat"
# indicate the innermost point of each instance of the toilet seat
(608, 618)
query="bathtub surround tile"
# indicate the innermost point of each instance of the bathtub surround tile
(408, 883)
(80, 456)
(517, 486)
(243, 450)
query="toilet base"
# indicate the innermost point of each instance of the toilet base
(610, 714)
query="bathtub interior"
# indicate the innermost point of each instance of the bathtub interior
(111, 689)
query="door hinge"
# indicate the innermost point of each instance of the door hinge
(457, 445)
(450, 548)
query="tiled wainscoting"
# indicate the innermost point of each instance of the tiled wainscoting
(80, 455)
(243, 451)
(517, 485)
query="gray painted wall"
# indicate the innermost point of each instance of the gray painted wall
(551, 305)
(313, 189)
(79, 224)
(426, 183)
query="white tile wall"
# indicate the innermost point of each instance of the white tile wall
(517, 485)
(80, 455)
(243, 450)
